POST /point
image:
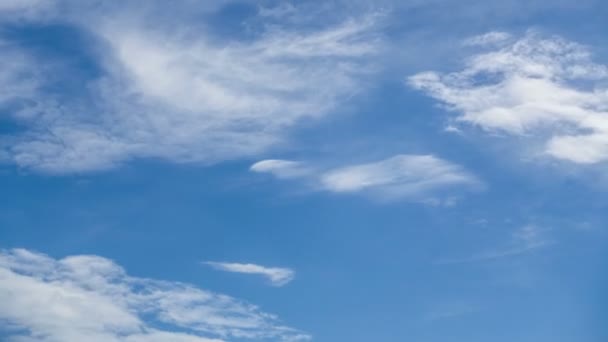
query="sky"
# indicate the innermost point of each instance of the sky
(331, 171)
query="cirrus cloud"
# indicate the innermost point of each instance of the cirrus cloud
(176, 92)
(417, 177)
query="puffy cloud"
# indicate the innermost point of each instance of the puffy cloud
(417, 177)
(546, 86)
(276, 275)
(90, 298)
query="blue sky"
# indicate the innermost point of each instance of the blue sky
(424, 171)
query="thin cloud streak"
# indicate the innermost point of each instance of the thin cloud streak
(524, 240)
(276, 275)
(416, 177)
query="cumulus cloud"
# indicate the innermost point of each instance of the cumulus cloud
(178, 93)
(532, 85)
(276, 275)
(401, 176)
(90, 298)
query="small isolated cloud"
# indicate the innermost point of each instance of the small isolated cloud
(524, 240)
(283, 169)
(548, 87)
(401, 176)
(90, 298)
(276, 275)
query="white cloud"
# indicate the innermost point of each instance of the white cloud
(417, 177)
(276, 275)
(546, 86)
(177, 93)
(284, 169)
(90, 298)
(402, 174)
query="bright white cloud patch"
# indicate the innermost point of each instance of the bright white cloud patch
(546, 86)
(90, 298)
(401, 176)
(177, 93)
(276, 275)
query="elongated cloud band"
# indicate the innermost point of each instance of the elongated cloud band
(401, 176)
(90, 298)
(276, 275)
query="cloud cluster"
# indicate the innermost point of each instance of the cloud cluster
(176, 92)
(532, 85)
(90, 298)
(418, 177)
(277, 276)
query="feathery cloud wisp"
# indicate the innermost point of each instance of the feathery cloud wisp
(524, 240)
(401, 176)
(177, 94)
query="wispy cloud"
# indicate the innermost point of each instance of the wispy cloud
(401, 176)
(176, 92)
(494, 37)
(283, 169)
(532, 85)
(526, 239)
(276, 275)
(90, 298)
